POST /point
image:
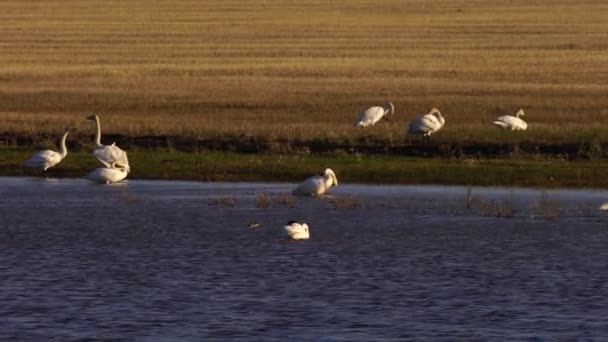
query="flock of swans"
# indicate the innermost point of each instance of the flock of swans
(115, 164)
(114, 160)
(433, 121)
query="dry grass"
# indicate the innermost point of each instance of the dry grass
(303, 70)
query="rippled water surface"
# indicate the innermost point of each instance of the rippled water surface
(160, 261)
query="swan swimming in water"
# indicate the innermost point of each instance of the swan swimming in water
(427, 124)
(297, 231)
(108, 175)
(317, 185)
(373, 114)
(109, 155)
(510, 122)
(46, 159)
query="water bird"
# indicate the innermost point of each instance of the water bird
(510, 122)
(317, 185)
(297, 231)
(253, 225)
(46, 159)
(108, 175)
(604, 206)
(111, 156)
(427, 124)
(373, 114)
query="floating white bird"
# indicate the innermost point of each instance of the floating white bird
(510, 122)
(297, 231)
(604, 206)
(108, 175)
(46, 159)
(427, 124)
(317, 185)
(373, 114)
(109, 155)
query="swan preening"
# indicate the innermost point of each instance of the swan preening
(46, 159)
(297, 231)
(372, 115)
(317, 185)
(108, 175)
(510, 122)
(427, 124)
(111, 156)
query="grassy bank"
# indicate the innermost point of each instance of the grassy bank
(225, 166)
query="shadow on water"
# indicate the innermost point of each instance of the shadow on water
(181, 260)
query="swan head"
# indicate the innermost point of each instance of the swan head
(92, 117)
(329, 174)
(69, 129)
(520, 112)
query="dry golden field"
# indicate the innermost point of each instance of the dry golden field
(303, 70)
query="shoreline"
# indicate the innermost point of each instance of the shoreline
(165, 164)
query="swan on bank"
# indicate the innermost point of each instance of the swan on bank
(510, 122)
(317, 185)
(297, 231)
(111, 156)
(427, 124)
(108, 175)
(373, 114)
(46, 159)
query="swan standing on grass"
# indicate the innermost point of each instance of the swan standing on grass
(46, 159)
(109, 155)
(297, 231)
(317, 185)
(108, 175)
(372, 115)
(427, 124)
(510, 122)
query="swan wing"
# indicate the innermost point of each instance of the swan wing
(43, 159)
(370, 116)
(425, 124)
(111, 154)
(311, 186)
(511, 122)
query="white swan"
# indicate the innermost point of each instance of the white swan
(46, 159)
(373, 114)
(317, 185)
(107, 175)
(427, 124)
(109, 155)
(510, 122)
(604, 206)
(297, 231)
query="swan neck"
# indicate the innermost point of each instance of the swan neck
(97, 132)
(63, 150)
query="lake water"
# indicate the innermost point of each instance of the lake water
(177, 261)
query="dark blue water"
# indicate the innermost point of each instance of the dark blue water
(168, 261)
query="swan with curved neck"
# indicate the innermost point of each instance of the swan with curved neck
(427, 124)
(512, 122)
(111, 156)
(370, 116)
(46, 159)
(317, 185)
